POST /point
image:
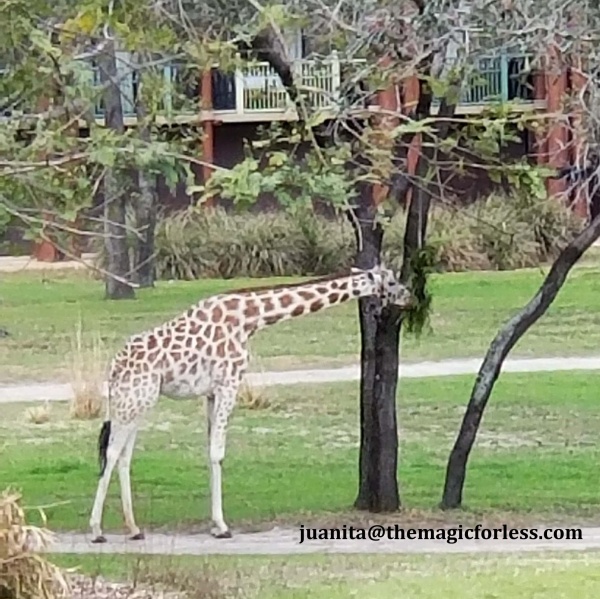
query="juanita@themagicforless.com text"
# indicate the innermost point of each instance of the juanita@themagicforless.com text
(394, 532)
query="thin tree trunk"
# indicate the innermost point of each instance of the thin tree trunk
(378, 459)
(115, 232)
(504, 341)
(145, 209)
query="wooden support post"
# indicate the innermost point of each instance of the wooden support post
(208, 137)
(44, 250)
(578, 81)
(540, 147)
(410, 99)
(556, 86)
(388, 101)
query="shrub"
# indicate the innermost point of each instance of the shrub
(211, 243)
(498, 233)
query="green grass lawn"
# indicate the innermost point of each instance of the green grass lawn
(296, 461)
(526, 576)
(41, 311)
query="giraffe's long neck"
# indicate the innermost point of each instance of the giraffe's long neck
(272, 306)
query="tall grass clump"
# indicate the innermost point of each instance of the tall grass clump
(87, 370)
(24, 573)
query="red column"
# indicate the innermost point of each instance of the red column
(556, 86)
(44, 250)
(410, 99)
(388, 101)
(208, 137)
(540, 146)
(578, 81)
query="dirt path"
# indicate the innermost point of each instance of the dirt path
(286, 542)
(63, 392)
(22, 263)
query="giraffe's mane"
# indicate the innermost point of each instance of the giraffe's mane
(323, 279)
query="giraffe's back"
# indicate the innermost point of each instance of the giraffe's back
(191, 353)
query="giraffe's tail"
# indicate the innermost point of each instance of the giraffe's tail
(103, 440)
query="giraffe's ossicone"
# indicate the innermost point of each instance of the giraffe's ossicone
(203, 352)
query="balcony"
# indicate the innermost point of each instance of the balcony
(255, 93)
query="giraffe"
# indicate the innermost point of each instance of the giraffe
(203, 352)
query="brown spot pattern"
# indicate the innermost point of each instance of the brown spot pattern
(231, 304)
(306, 295)
(273, 318)
(317, 305)
(251, 310)
(217, 314)
(286, 300)
(232, 320)
(298, 310)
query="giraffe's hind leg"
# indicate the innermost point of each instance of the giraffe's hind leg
(124, 467)
(116, 444)
(113, 438)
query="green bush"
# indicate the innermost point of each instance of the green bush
(498, 233)
(199, 243)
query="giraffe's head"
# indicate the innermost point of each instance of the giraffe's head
(382, 282)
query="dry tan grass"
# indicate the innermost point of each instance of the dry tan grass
(253, 398)
(87, 374)
(23, 573)
(39, 414)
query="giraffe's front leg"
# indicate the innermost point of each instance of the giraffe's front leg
(223, 405)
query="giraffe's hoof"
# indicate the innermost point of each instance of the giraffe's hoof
(140, 536)
(221, 534)
(99, 539)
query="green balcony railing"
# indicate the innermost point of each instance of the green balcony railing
(256, 87)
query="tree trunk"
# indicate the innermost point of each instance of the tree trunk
(145, 212)
(115, 232)
(504, 341)
(380, 337)
(145, 209)
(378, 460)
